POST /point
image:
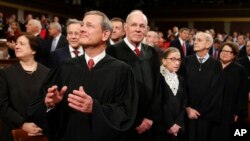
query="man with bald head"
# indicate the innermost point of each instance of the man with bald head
(204, 81)
(144, 61)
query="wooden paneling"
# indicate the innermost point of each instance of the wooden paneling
(217, 26)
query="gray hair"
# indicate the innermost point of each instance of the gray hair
(56, 25)
(37, 23)
(105, 23)
(136, 12)
(208, 37)
(73, 21)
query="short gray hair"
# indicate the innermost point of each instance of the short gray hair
(56, 25)
(105, 23)
(134, 12)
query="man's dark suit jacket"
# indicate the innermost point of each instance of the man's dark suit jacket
(59, 56)
(242, 52)
(177, 44)
(62, 42)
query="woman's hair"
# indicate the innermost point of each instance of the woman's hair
(33, 42)
(168, 51)
(233, 46)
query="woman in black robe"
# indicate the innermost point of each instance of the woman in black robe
(234, 102)
(19, 84)
(173, 98)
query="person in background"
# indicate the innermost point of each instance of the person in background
(12, 35)
(19, 84)
(74, 49)
(152, 40)
(234, 102)
(118, 30)
(173, 98)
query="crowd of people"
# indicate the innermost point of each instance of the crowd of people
(117, 80)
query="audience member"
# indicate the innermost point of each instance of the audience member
(118, 30)
(181, 42)
(74, 49)
(241, 40)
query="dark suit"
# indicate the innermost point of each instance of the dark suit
(62, 42)
(146, 68)
(177, 44)
(242, 52)
(59, 56)
(212, 51)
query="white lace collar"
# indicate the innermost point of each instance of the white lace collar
(171, 79)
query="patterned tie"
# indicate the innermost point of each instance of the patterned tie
(91, 64)
(137, 51)
(76, 52)
(215, 54)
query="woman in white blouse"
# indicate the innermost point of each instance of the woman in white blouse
(173, 98)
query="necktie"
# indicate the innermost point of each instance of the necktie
(53, 45)
(137, 51)
(200, 60)
(76, 52)
(184, 48)
(215, 55)
(91, 64)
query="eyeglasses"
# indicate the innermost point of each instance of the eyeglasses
(73, 33)
(227, 51)
(174, 59)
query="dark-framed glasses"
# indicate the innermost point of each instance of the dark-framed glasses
(227, 51)
(174, 59)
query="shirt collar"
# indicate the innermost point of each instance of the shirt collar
(205, 57)
(132, 47)
(58, 36)
(181, 41)
(80, 49)
(96, 58)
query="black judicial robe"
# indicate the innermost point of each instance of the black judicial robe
(17, 89)
(111, 84)
(244, 61)
(172, 111)
(204, 93)
(235, 100)
(146, 68)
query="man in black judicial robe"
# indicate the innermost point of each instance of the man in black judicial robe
(146, 67)
(204, 89)
(245, 62)
(92, 101)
